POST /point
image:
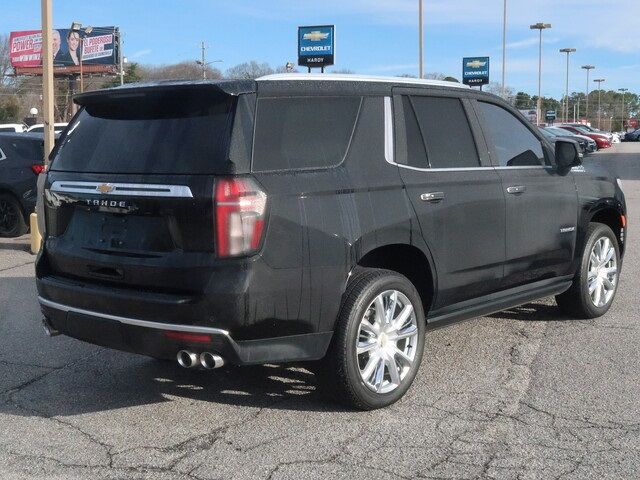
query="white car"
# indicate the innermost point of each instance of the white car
(39, 128)
(13, 127)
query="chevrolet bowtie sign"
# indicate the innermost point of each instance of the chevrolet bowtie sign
(316, 46)
(475, 71)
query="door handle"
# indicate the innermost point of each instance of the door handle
(432, 196)
(515, 189)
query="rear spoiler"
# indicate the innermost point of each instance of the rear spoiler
(222, 87)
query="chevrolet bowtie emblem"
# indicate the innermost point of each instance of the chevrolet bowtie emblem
(315, 36)
(105, 188)
(476, 64)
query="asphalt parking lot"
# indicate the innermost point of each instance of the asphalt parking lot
(526, 393)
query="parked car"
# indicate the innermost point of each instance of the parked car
(600, 140)
(21, 160)
(327, 219)
(12, 128)
(552, 137)
(591, 145)
(632, 136)
(39, 128)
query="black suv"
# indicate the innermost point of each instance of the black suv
(321, 219)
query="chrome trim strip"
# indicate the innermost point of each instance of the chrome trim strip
(134, 321)
(122, 189)
(388, 131)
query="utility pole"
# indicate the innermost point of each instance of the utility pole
(623, 90)
(47, 78)
(120, 58)
(504, 46)
(568, 51)
(539, 26)
(203, 61)
(599, 82)
(588, 68)
(420, 38)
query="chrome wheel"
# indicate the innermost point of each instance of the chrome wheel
(387, 341)
(603, 272)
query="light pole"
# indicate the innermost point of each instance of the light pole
(504, 45)
(568, 51)
(599, 82)
(588, 68)
(47, 77)
(420, 39)
(203, 62)
(540, 26)
(623, 90)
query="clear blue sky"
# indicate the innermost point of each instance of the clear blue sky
(373, 36)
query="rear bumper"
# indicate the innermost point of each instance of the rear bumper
(148, 338)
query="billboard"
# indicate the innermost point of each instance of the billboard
(316, 46)
(97, 50)
(475, 70)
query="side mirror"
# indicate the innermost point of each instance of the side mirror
(567, 154)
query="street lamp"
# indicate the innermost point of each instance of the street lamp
(504, 45)
(540, 26)
(623, 90)
(588, 68)
(420, 39)
(568, 51)
(599, 82)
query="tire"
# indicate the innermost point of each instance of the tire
(578, 302)
(12, 221)
(339, 374)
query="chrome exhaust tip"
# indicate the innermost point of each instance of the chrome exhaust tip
(187, 359)
(48, 328)
(210, 360)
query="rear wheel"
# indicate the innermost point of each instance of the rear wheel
(12, 222)
(596, 282)
(378, 342)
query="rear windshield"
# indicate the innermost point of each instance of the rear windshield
(184, 132)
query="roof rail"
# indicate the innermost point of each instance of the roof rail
(341, 77)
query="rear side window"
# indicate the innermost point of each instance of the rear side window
(416, 153)
(176, 132)
(303, 132)
(515, 145)
(30, 150)
(446, 131)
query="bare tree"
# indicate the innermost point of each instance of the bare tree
(177, 71)
(5, 60)
(249, 70)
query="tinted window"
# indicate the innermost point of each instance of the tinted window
(515, 145)
(36, 130)
(178, 132)
(416, 153)
(303, 132)
(31, 150)
(446, 132)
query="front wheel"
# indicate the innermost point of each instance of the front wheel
(378, 342)
(594, 286)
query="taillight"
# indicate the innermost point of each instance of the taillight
(240, 209)
(37, 168)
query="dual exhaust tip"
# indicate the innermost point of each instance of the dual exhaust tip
(206, 360)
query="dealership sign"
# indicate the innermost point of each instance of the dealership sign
(316, 46)
(475, 70)
(94, 49)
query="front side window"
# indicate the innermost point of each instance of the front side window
(514, 144)
(303, 132)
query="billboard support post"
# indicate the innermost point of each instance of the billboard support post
(47, 77)
(120, 58)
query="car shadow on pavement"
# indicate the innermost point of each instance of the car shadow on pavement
(532, 312)
(17, 246)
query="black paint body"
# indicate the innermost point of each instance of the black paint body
(477, 251)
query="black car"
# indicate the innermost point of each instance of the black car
(552, 137)
(314, 218)
(586, 144)
(21, 160)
